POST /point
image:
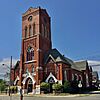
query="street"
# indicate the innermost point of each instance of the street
(87, 97)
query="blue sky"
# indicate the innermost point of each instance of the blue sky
(75, 26)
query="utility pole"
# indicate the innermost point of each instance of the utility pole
(10, 75)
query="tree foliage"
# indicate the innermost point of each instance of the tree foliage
(44, 85)
(57, 86)
(67, 86)
(2, 85)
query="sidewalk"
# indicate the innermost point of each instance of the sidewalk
(94, 92)
(56, 95)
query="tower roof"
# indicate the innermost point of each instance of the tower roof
(32, 10)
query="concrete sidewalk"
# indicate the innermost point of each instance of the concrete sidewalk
(56, 95)
(94, 92)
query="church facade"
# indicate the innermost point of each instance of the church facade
(38, 61)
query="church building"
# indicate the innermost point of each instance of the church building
(39, 62)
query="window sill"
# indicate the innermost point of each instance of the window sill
(30, 61)
(33, 74)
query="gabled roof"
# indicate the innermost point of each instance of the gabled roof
(30, 10)
(81, 65)
(73, 65)
(56, 56)
(17, 64)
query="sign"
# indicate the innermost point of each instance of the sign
(80, 84)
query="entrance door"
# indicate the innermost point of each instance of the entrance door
(30, 88)
(51, 81)
(29, 85)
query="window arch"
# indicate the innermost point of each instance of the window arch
(80, 77)
(26, 33)
(30, 54)
(76, 77)
(33, 70)
(30, 30)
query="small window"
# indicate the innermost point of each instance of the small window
(30, 18)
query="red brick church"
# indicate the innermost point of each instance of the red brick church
(38, 61)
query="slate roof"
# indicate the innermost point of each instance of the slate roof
(56, 56)
(73, 65)
(17, 64)
(81, 65)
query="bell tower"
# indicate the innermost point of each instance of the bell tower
(36, 41)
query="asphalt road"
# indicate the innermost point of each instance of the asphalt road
(88, 97)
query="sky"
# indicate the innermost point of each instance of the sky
(75, 27)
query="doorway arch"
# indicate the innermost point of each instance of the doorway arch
(29, 85)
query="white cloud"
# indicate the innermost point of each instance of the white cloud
(95, 65)
(93, 62)
(6, 61)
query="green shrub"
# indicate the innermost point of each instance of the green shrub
(45, 87)
(67, 86)
(57, 87)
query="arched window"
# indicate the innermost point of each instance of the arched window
(80, 77)
(34, 27)
(65, 75)
(26, 33)
(30, 30)
(30, 54)
(76, 77)
(72, 77)
(26, 71)
(33, 70)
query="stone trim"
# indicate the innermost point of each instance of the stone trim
(29, 76)
(51, 75)
(17, 79)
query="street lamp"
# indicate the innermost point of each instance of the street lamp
(9, 67)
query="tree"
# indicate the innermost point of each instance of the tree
(2, 85)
